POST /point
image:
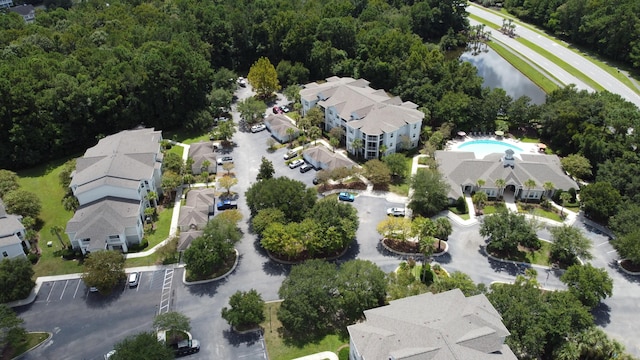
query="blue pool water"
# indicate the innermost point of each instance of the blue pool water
(487, 146)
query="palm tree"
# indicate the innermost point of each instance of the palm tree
(443, 229)
(56, 230)
(315, 132)
(290, 132)
(479, 199)
(205, 166)
(480, 183)
(564, 198)
(529, 184)
(548, 188)
(152, 198)
(500, 184)
(383, 150)
(357, 145)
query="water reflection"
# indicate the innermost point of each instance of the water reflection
(497, 72)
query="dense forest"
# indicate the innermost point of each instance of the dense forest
(101, 67)
(611, 28)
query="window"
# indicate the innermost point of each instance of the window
(414, 126)
(4, 253)
(391, 136)
(350, 130)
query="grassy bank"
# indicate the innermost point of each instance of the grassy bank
(278, 349)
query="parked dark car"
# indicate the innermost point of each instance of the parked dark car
(345, 196)
(227, 204)
(277, 110)
(306, 167)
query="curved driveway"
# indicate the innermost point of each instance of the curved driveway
(572, 58)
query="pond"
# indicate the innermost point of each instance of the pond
(498, 73)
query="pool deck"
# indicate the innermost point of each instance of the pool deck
(452, 145)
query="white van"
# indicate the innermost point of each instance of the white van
(133, 279)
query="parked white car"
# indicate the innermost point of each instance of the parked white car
(295, 163)
(395, 211)
(258, 128)
(225, 159)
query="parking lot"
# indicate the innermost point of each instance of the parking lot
(87, 324)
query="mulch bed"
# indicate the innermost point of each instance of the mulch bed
(305, 256)
(630, 266)
(356, 185)
(409, 247)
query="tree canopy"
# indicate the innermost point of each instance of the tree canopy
(588, 284)
(11, 330)
(22, 202)
(143, 346)
(264, 78)
(211, 251)
(507, 230)
(429, 193)
(15, 279)
(246, 309)
(104, 270)
(569, 245)
(319, 299)
(292, 197)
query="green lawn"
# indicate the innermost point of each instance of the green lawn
(542, 213)
(32, 339)
(541, 256)
(186, 136)
(276, 347)
(400, 189)
(43, 181)
(177, 149)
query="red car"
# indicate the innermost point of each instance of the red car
(277, 110)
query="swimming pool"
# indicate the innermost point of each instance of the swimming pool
(487, 146)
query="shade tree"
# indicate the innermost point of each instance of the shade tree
(22, 202)
(507, 230)
(292, 197)
(211, 251)
(588, 284)
(144, 346)
(429, 193)
(16, 279)
(104, 270)
(263, 78)
(569, 245)
(246, 309)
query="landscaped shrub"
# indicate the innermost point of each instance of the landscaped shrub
(461, 205)
(572, 192)
(426, 275)
(33, 258)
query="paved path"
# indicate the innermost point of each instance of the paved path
(579, 62)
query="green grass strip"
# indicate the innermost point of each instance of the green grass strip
(537, 77)
(566, 67)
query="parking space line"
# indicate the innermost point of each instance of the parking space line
(64, 288)
(77, 287)
(50, 291)
(139, 279)
(165, 298)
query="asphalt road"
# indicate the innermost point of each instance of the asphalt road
(574, 59)
(85, 325)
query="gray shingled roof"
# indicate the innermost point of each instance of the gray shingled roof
(375, 111)
(186, 237)
(99, 219)
(330, 160)
(128, 155)
(200, 152)
(279, 124)
(462, 168)
(9, 224)
(442, 326)
(196, 210)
